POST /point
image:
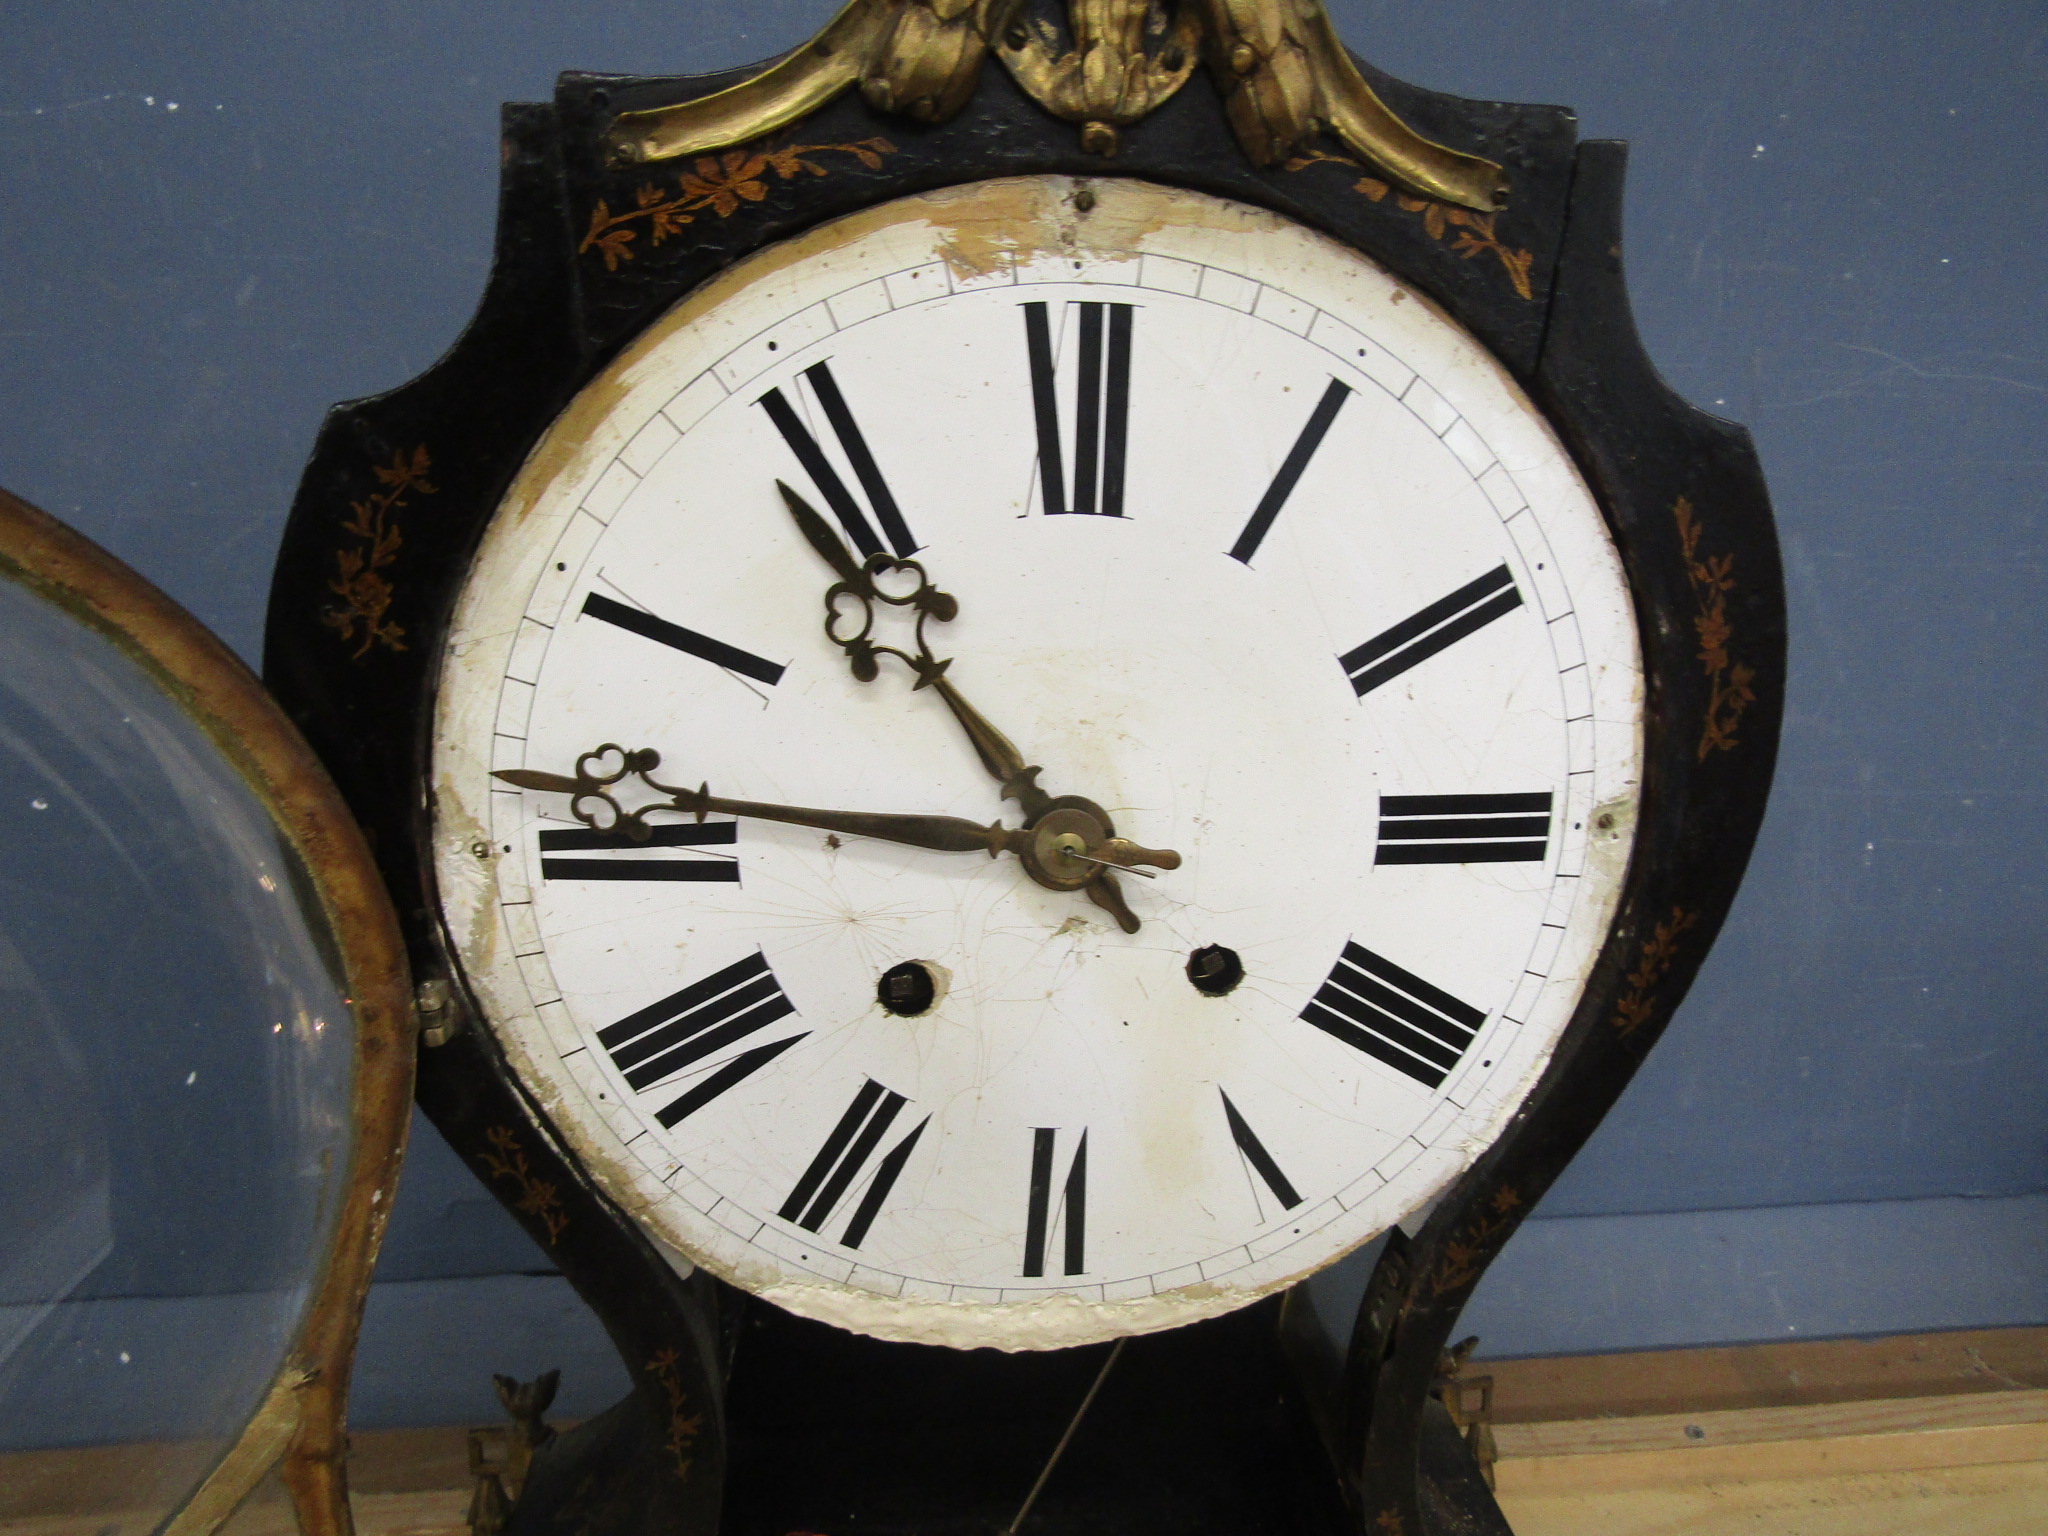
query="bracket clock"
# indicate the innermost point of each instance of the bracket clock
(1035, 671)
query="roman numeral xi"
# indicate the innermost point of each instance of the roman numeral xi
(1102, 408)
(1463, 829)
(830, 484)
(845, 1157)
(1374, 1006)
(673, 1035)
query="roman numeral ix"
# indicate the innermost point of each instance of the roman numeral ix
(1102, 408)
(685, 835)
(1463, 829)
(1290, 472)
(1374, 1006)
(827, 479)
(1257, 1157)
(845, 1156)
(717, 652)
(1420, 636)
(1041, 1215)
(700, 1020)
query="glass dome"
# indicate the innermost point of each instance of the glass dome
(181, 1122)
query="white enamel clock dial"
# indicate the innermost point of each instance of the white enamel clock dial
(1252, 548)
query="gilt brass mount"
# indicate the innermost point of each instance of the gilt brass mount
(1283, 75)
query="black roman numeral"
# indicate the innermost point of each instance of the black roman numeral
(1102, 408)
(1291, 467)
(700, 1020)
(1372, 1005)
(717, 652)
(1258, 1157)
(826, 478)
(1463, 829)
(1417, 638)
(683, 835)
(1071, 1213)
(843, 1159)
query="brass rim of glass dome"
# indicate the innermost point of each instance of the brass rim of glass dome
(301, 1421)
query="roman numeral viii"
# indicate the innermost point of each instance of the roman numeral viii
(1071, 1211)
(1374, 1006)
(670, 1036)
(858, 457)
(1421, 635)
(685, 835)
(1463, 829)
(845, 1158)
(1102, 408)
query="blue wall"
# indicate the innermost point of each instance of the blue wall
(1838, 233)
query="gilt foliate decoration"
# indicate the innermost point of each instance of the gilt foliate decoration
(1284, 77)
(360, 583)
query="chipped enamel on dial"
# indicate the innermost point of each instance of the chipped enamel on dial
(1344, 628)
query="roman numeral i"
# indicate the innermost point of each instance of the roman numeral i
(1042, 1214)
(1374, 1006)
(845, 1157)
(1463, 829)
(1102, 408)
(667, 1037)
(827, 479)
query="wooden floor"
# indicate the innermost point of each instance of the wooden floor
(1920, 1436)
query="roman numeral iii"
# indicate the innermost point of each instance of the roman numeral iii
(683, 835)
(827, 479)
(1374, 1006)
(672, 1035)
(845, 1158)
(1042, 1215)
(1421, 635)
(1463, 829)
(1102, 407)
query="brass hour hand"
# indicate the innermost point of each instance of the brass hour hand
(867, 584)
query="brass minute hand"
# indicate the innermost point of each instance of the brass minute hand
(1066, 851)
(997, 752)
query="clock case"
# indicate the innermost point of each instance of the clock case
(742, 1418)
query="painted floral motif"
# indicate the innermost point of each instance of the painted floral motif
(359, 582)
(1633, 1011)
(683, 1428)
(718, 184)
(538, 1198)
(1472, 234)
(1464, 1255)
(1730, 683)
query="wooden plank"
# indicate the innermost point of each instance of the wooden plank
(1768, 1375)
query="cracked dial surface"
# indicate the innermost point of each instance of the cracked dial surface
(1254, 549)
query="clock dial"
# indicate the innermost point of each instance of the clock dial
(1257, 559)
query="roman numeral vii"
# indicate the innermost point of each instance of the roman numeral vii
(846, 1157)
(1102, 407)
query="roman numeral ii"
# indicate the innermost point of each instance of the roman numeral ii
(1421, 635)
(845, 1157)
(1102, 408)
(671, 1035)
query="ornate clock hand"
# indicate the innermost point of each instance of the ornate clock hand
(1005, 764)
(1067, 850)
